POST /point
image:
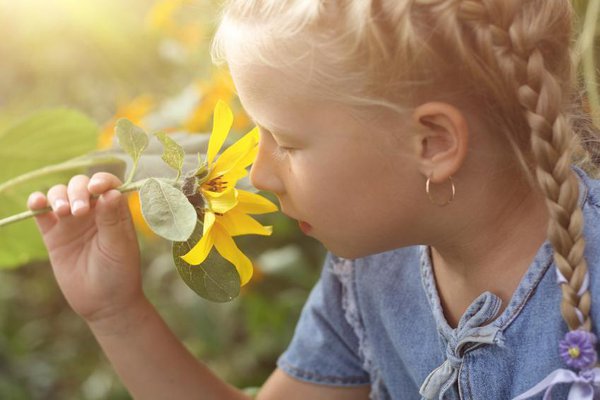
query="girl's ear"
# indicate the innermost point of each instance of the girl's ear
(443, 135)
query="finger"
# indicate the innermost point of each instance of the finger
(45, 221)
(102, 182)
(37, 201)
(113, 218)
(79, 197)
(57, 197)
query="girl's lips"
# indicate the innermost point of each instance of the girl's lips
(304, 227)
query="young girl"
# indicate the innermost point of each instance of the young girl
(428, 144)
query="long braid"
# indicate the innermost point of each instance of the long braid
(519, 54)
(552, 148)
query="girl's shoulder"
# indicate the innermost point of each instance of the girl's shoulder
(393, 273)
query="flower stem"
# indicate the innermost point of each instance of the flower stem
(132, 172)
(22, 216)
(130, 187)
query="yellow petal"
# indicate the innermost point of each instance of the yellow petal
(222, 121)
(229, 251)
(231, 157)
(237, 223)
(248, 158)
(233, 176)
(221, 202)
(200, 251)
(252, 203)
(212, 174)
(209, 220)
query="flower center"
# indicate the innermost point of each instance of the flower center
(217, 184)
(574, 352)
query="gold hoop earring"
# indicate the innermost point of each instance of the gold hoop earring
(431, 198)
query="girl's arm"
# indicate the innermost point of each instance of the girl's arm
(281, 386)
(95, 258)
(153, 364)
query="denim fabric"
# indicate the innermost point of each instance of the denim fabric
(378, 320)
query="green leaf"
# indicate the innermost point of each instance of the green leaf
(132, 139)
(167, 211)
(216, 279)
(44, 138)
(173, 154)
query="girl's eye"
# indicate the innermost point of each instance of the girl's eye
(286, 149)
(281, 152)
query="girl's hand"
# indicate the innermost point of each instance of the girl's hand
(92, 245)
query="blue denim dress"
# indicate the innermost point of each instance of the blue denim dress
(378, 321)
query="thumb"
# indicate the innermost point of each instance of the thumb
(113, 218)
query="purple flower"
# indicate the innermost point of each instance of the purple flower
(577, 349)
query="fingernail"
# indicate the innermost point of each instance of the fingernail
(60, 203)
(34, 197)
(77, 205)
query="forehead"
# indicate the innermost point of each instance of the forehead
(282, 104)
(261, 87)
(285, 104)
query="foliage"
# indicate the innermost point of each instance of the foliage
(148, 62)
(47, 137)
(105, 58)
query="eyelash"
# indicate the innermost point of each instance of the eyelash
(281, 152)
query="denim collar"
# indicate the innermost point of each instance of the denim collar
(481, 307)
(480, 324)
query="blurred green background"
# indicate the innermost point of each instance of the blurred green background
(148, 61)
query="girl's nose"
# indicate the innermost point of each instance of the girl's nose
(264, 174)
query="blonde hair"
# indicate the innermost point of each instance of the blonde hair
(510, 59)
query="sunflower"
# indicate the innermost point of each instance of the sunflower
(226, 209)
